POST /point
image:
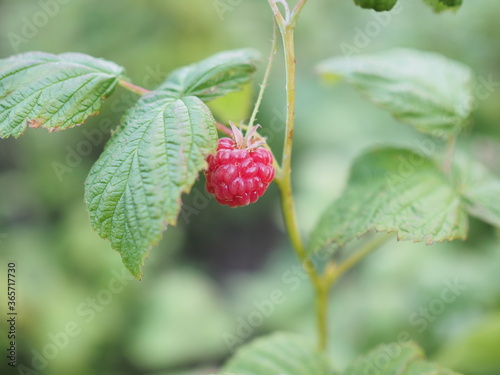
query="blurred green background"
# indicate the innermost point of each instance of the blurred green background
(203, 282)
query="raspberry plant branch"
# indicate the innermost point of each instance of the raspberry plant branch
(224, 129)
(277, 14)
(322, 283)
(334, 271)
(296, 11)
(266, 77)
(284, 181)
(133, 88)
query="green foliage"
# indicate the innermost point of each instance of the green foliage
(378, 5)
(385, 5)
(134, 190)
(280, 353)
(55, 92)
(286, 353)
(477, 352)
(216, 76)
(441, 5)
(425, 90)
(393, 190)
(480, 189)
(396, 359)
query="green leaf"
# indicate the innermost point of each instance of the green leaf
(393, 190)
(441, 5)
(278, 354)
(480, 189)
(404, 358)
(475, 352)
(425, 90)
(134, 190)
(55, 92)
(216, 76)
(233, 107)
(378, 5)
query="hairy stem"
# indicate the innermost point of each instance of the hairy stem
(224, 129)
(284, 180)
(133, 88)
(296, 11)
(277, 14)
(334, 271)
(322, 291)
(265, 80)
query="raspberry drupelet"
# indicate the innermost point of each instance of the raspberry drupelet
(240, 171)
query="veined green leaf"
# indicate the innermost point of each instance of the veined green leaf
(55, 92)
(134, 190)
(480, 189)
(396, 359)
(278, 354)
(425, 90)
(216, 76)
(378, 5)
(393, 190)
(441, 5)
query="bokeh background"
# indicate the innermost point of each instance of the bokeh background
(204, 280)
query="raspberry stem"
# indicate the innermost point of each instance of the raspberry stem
(334, 271)
(224, 129)
(296, 11)
(322, 282)
(283, 179)
(133, 88)
(266, 77)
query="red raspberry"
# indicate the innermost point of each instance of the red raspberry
(238, 175)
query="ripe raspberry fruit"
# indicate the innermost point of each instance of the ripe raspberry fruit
(240, 171)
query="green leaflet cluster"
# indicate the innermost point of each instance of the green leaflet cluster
(55, 92)
(290, 354)
(399, 190)
(134, 190)
(385, 5)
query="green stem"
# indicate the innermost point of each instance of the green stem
(322, 291)
(133, 88)
(334, 271)
(284, 181)
(296, 11)
(265, 80)
(322, 283)
(277, 14)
